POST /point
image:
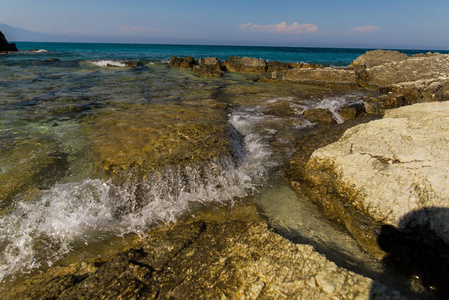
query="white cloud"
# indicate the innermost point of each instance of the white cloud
(294, 28)
(136, 29)
(363, 29)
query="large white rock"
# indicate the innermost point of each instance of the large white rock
(395, 169)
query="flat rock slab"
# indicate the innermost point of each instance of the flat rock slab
(198, 260)
(395, 170)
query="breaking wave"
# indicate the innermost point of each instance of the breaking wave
(38, 233)
(109, 63)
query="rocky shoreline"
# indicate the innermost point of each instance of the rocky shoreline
(384, 179)
(400, 80)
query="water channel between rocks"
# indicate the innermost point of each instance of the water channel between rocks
(95, 156)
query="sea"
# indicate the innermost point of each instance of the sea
(102, 143)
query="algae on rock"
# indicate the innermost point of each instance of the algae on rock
(140, 139)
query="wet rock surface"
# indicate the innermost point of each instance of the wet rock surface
(319, 115)
(25, 170)
(207, 71)
(322, 192)
(140, 139)
(207, 260)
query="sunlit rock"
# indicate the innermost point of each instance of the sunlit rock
(421, 78)
(208, 260)
(387, 169)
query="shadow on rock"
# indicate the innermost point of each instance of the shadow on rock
(416, 251)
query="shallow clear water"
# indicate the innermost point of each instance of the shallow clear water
(93, 149)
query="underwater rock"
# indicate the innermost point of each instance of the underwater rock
(207, 71)
(5, 46)
(385, 170)
(139, 139)
(199, 260)
(28, 166)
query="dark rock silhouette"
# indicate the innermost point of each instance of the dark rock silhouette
(5, 46)
(417, 252)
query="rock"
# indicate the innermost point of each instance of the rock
(280, 109)
(422, 90)
(378, 57)
(5, 46)
(210, 62)
(378, 106)
(245, 64)
(386, 169)
(141, 139)
(319, 115)
(318, 76)
(278, 66)
(348, 113)
(334, 207)
(198, 260)
(421, 78)
(187, 62)
(207, 71)
(28, 166)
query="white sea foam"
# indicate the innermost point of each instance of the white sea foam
(108, 63)
(40, 51)
(40, 232)
(333, 104)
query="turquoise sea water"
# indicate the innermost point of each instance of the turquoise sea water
(69, 113)
(158, 53)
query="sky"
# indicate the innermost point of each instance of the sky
(393, 24)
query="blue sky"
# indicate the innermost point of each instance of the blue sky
(413, 24)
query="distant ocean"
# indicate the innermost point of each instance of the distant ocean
(161, 53)
(94, 148)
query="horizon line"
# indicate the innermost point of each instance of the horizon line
(235, 45)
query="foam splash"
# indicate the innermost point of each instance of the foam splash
(108, 63)
(40, 232)
(333, 104)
